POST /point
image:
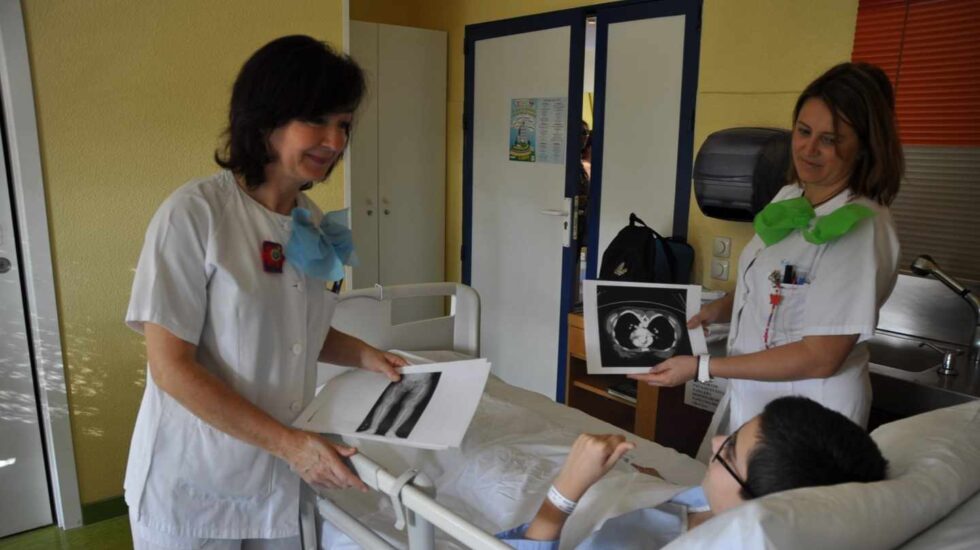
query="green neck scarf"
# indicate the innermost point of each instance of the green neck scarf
(779, 219)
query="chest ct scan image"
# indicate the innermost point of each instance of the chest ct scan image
(635, 332)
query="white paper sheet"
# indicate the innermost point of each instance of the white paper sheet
(431, 408)
(631, 327)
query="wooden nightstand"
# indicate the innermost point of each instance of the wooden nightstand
(588, 393)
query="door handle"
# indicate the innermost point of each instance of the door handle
(566, 239)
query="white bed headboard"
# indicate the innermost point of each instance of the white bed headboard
(366, 314)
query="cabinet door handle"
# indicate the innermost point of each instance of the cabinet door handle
(387, 211)
(369, 212)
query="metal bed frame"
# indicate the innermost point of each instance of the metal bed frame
(367, 314)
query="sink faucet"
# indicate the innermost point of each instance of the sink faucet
(924, 266)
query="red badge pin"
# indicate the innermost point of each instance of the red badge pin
(272, 257)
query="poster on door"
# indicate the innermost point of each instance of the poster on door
(538, 128)
(523, 129)
(552, 129)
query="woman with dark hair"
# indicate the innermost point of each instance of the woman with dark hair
(231, 295)
(823, 261)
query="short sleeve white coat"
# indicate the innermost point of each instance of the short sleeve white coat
(846, 282)
(201, 276)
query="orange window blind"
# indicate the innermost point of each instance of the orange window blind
(931, 51)
(878, 36)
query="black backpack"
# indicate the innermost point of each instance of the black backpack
(640, 254)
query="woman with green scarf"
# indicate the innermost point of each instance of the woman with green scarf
(823, 261)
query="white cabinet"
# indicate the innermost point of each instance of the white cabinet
(398, 159)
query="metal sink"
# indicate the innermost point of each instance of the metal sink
(894, 397)
(905, 381)
(903, 353)
(904, 376)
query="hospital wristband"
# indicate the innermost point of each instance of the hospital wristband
(704, 374)
(559, 501)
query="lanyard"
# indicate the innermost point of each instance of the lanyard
(775, 298)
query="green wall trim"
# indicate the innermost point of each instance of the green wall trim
(95, 512)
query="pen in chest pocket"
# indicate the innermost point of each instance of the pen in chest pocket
(789, 275)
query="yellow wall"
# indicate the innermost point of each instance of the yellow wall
(131, 98)
(756, 57)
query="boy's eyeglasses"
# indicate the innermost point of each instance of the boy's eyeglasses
(719, 456)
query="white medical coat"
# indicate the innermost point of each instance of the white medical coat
(201, 276)
(847, 281)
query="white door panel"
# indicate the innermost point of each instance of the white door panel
(411, 173)
(398, 152)
(516, 249)
(364, 160)
(24, 500)
(644, 66)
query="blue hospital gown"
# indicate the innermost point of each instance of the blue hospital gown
(647, 528)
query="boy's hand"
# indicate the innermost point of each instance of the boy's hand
(591, 457)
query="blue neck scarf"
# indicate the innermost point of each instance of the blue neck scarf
(321, 251)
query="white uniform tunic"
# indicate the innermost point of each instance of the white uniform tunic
(846, 282)
(201, 277)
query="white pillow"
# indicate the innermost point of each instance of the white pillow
(934, 465)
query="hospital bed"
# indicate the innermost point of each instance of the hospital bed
(519, 439)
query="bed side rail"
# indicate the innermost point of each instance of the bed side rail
(424, 512)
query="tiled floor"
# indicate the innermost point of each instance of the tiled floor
(111, 534)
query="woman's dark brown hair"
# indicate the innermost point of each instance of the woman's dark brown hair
(291, 78)
(861, 95)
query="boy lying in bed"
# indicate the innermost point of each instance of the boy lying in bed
(794, 443)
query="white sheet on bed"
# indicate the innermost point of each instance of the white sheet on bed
(498, 477)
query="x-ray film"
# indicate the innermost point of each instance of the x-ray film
(430, 407)
(401, 405)
(631, 327)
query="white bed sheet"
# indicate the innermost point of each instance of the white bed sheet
(498, 477)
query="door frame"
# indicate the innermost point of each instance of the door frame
(613, 12)
(575, 20)
(617, 13)
(20, 127)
